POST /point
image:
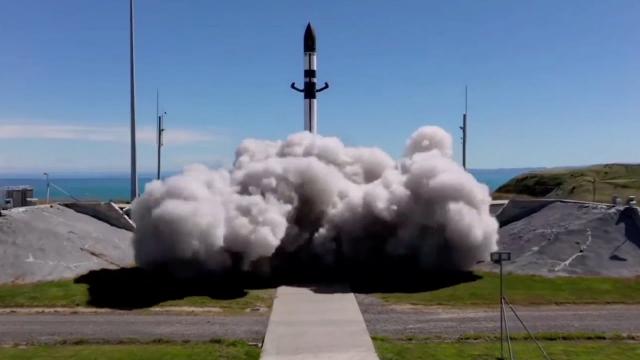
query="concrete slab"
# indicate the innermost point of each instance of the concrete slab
(573, 239)
(321, 323)
(106, 212)
(51, 242)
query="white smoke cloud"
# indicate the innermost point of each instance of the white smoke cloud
(314, 192)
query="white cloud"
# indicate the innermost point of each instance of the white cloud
(100, 133)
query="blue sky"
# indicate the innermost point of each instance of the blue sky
(551, 83)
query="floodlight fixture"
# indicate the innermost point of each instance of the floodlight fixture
(500, 256)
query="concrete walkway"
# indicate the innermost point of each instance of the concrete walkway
(323, 323)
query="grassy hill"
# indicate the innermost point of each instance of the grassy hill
(576, 183)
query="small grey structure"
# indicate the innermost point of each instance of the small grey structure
(310, 73)
(17, 196)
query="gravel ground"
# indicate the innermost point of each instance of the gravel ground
(402, 321)
(48, 328)
(381, 320)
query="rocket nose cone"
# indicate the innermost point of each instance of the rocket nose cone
(309, 39)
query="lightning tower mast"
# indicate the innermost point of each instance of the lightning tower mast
(464, 131)
(159, 138)
(132, 73)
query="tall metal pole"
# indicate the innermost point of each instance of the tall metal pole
(501, 315)
(464, 131)
(159, 119)
(132, 71)
(48, 186)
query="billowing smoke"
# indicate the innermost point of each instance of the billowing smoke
(311, 199)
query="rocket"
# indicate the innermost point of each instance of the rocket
(310, 89)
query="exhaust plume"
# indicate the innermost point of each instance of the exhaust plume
(311, 199)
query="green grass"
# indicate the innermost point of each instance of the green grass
(63, 293)
(254, 298)
(576, 183)
(216, 350)
(66, 293)
(520, 289)
(488, 350)
(527, 290)
(548, 336)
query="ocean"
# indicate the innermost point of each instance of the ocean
(117, 188)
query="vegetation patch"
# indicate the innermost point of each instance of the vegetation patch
(592, 183)
(69, 294)
(526, 290)
(217, 350)
(546, 336)
(253, 300)
(62, 293)
(489, 350)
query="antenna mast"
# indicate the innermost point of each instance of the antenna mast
(132, 74)
(464, 131)
(160, 119)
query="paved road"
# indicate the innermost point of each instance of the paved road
(400, 321)
(380, 319)
(43, 328)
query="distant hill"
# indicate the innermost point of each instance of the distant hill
(576, 183)
(496, 177)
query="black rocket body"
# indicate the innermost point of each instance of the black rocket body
(310, 89)
(309, 39)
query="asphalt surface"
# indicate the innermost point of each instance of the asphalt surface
(51, 328)
(402, 321)
(380, 319)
